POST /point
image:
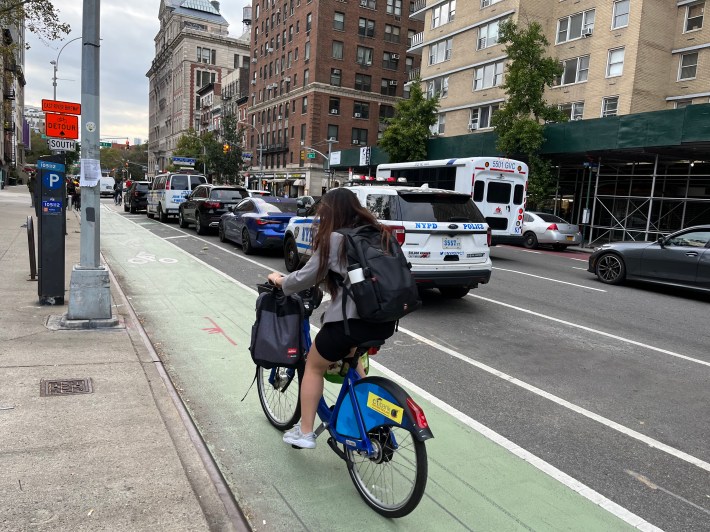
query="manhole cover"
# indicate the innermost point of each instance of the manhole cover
(65, 387)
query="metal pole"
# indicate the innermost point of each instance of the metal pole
(54, 79)
(90, 291)
(594, 203)
(650, 199)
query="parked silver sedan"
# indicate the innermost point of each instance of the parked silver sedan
(543, 228)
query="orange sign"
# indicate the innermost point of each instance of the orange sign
(55, 106)
(61, 126)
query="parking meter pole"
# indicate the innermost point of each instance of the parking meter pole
(51, 220)
(90, 290)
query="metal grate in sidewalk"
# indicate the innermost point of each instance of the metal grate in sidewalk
(49, 387)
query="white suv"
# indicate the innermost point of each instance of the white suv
(442, 233)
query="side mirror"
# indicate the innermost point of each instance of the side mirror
(661, 241)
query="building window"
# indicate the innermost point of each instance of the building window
(680, 104)
(307, 51)
(443, 13)
(361, 110)
(620, 17)
(363, 82)
(359, 136)
(615, 63)
(303, 131)
(309, 21)
(574, 26)
(438, 87)
(306, 77)
(335, 77)
(366, 27)
(391, 33)
(694, 16)
(386, 111)
(390, 61)
(369, 4)
(439, 128)
(203, 77)
(480, 117)
(573, 110)
(332, 132)
(394, 7)
(488, 35)
(440, 51)
(290, 33)
(339, 21)
(334, 106)
(304, 105)
(388, 87)
(486, 3)
(688, 66)
(575, 70)
(490, 75)
(610, 106)
(206, 55)
(364, 56)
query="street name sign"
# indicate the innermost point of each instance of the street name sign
(55, 106)
(104, 144)
(61, 126)
(311, 155)
(62, 144)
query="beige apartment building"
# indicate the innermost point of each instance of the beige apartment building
(193, 49)
(618, 56)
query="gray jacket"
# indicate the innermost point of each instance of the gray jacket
(307, 277)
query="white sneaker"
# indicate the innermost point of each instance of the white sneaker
(296, 438)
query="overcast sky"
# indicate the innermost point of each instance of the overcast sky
(128, 28)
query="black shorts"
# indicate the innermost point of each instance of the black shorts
(333, 344)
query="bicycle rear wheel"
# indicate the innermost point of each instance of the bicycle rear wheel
(279, 394)
(393, 481)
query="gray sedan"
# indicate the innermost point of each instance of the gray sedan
(543, 228)
(680, 259)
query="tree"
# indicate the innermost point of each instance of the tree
(190, 144)
(231, 162)
(520, 122)
(38, 16)
(111, 158)
(38, 147)
(407, 132)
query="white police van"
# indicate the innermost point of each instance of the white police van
(442, 233)
(168, 191)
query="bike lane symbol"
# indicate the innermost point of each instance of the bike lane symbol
(144, 258)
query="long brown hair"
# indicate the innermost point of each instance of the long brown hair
(337, 209)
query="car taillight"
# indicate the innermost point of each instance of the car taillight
(213, 204)
(266, 221)
(488, 237)
(419, 417)
(552, 227)
(399, 233)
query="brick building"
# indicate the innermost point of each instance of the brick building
(192, 49)
(323, 75)
(619, 56)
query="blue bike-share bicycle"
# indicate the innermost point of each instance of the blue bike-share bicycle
(373, 425)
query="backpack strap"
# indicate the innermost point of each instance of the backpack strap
(340, 281)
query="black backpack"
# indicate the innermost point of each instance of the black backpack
(388, 290)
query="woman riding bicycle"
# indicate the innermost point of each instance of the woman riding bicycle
(338, 209)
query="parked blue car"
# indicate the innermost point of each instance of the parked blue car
(257, 223)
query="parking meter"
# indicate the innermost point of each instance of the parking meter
(51, 228)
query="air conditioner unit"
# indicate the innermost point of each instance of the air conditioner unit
(253, 82)
(481, 43)
(363, 3)
(587, 32)
(254, 60)
(472, 126)
(393, 82)
(355, 141)
(357, 115)
(336, 71)
(270, 50)
(334, 111)
(287, 79)
(394, 56)
(368, 63)
(279, 117)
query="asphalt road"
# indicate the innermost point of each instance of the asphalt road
(607, 384)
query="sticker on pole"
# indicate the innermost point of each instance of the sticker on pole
(61, 126)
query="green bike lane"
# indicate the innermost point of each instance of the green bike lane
(199, 321)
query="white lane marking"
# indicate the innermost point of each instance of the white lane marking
(648, 483)
(596, 331)
(550, 470)
(549, 279)
(176, 236)
(515, 449)
(562, 402)
(578, 268)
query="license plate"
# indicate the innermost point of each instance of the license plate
(451, 243)
(570, 238)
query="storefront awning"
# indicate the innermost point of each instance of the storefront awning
(299, 183)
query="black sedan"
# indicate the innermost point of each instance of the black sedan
(136, 197)
(680, 259)
(206, 205)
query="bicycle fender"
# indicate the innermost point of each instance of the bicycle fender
(384, 402)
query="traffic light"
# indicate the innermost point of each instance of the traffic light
(225, 148)
(303, 155)
(128, 145)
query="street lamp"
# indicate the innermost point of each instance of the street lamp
(55, 64)
(261, 147)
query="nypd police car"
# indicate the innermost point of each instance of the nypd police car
(442, 233)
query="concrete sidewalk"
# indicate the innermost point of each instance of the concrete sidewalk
(118, 458)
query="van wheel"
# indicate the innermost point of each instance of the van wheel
(291, 257)
(161, 215)
(530, 240)
(453, 292)
(246, 243)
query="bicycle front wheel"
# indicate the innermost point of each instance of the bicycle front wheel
(279, 395)
(393, 481)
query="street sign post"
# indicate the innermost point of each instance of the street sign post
(61, 126)
(55, 106)
(61, 144)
